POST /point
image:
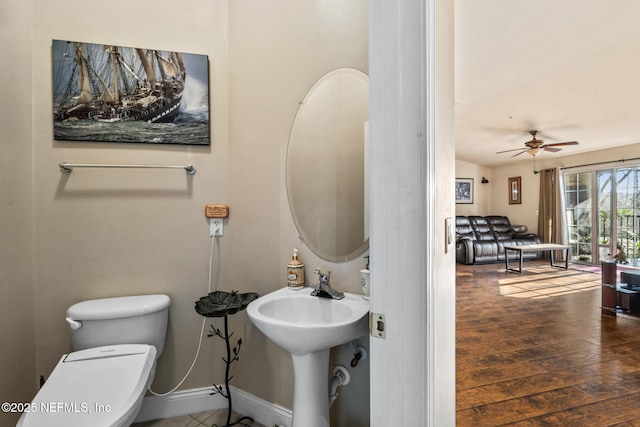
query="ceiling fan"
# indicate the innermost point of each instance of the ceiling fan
(535, 146)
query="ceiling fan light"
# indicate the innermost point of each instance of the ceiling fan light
(534, 151)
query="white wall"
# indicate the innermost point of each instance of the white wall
(444, 289)
(412, 170)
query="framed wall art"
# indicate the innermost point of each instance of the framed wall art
(106, 93)
(515, 191)
(464, 190)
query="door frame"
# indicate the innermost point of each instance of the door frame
(412, 265)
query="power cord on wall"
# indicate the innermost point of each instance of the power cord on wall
(204, 319)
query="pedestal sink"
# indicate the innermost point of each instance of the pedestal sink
(308, 326)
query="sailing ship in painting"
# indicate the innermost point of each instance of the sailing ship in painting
(112, 84)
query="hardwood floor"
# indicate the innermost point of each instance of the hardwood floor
(533, 349)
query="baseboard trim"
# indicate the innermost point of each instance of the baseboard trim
(266, 413)
(192, 401)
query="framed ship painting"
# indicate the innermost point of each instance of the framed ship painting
(106, 93)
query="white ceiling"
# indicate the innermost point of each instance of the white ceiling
(567, 68)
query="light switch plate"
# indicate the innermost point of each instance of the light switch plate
(449, 234)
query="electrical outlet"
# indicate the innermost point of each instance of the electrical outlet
(216, 227)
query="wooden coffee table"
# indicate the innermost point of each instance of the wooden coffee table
(542, 247)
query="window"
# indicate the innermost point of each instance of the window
(579, 201)
(603, 215)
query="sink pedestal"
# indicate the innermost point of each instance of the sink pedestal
(308, 326)
(311, 389)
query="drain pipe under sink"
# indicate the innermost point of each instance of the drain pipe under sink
(340, 377)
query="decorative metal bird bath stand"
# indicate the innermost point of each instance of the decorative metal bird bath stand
(222, 304)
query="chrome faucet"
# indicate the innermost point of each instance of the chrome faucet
(323, 288)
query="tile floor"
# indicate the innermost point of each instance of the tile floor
(209, 418)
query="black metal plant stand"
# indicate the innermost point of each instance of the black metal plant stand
(222, 304)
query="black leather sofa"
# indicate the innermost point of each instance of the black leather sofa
(481, 239)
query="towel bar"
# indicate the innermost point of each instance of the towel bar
(67, 167)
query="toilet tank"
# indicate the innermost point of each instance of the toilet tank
(139, 319)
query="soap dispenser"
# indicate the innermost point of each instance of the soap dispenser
(365, 278)
(295, 272)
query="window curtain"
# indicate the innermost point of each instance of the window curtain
(551, 219)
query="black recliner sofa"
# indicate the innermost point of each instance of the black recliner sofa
(481, 239)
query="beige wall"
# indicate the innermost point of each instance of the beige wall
(18, 357)
(527, 212)
(481, 193)
(108, 232)
(278, 50)
(120, 232)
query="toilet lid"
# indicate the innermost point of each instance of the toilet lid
(99, 386)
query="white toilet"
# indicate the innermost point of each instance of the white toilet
(101, 384)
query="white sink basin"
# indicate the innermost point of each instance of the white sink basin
(308, 326)
(301, 323)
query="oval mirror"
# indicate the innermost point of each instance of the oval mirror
(327, 166)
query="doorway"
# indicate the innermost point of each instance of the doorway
(603, 215)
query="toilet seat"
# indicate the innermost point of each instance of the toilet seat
(98, 387)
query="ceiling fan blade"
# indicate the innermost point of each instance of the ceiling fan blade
(535, 145)
(506, 151)
(557, 144)
(551, 149)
